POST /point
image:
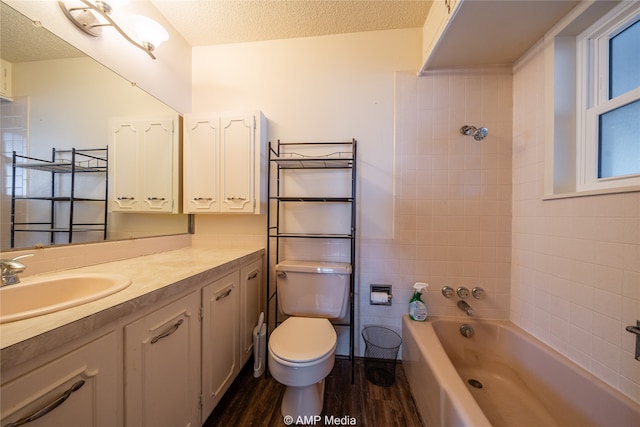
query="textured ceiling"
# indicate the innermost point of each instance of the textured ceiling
(207, 22)
(22, 41)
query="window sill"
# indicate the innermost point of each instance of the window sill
(603, 192)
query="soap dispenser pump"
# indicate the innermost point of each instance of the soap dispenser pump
(417, 308)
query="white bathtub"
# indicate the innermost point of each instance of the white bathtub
(523, 381)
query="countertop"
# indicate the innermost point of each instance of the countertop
(153, 278)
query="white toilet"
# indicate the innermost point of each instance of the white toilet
(302, 348)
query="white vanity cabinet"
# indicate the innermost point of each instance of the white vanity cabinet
(145, 155)
(250, 287)
(84, 382)
(162, 366)
(162, 359)
(224, 163)
(220, 320)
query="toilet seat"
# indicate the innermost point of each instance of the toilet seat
(300, 340)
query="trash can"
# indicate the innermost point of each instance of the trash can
(381, 351)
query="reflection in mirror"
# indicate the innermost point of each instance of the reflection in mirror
(55, 97)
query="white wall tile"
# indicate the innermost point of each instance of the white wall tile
(585, 248)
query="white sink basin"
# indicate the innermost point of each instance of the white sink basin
(37, 296)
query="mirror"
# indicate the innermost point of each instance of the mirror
(60, 98)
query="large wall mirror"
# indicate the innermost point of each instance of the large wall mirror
(61, 98)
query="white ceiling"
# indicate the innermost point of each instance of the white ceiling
(208, 22)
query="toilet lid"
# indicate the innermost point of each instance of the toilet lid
(302, 339)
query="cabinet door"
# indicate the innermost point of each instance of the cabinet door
(123, 146)
(157, 170)
(237, 142)
(5, 78)
(162, 365)
(250, 283)
(220, 359)
(84, 382)
(201, 164)
(145, 168)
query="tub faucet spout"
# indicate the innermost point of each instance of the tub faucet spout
(464, 306)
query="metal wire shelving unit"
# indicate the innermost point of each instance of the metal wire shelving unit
(336, 156)
(71, 162)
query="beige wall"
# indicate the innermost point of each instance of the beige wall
(575, 280)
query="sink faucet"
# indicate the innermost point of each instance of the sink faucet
(462, 305)
(11, 268)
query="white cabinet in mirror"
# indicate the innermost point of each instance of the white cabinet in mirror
(146, 168)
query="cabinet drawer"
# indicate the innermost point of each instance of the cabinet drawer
(84, 382)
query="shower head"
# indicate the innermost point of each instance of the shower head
(478, 133)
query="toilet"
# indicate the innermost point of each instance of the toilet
(302, 348)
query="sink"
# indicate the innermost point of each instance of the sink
(41, 295)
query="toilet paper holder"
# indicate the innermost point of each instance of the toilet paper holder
(380, 295)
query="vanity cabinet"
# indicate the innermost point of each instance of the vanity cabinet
(167, 362)
(230, 310)
(146, 169)
(84, 381)
(220, 327)
(162, 366)
(224, 163)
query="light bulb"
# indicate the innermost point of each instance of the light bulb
(146, 31)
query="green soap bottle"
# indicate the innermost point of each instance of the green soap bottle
(417, 307)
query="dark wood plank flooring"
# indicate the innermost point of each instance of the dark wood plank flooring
(256, 401)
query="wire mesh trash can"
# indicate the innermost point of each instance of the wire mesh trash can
(381, 351)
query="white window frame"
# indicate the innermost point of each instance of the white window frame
(593, 93)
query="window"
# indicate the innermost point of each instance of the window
(609, 101)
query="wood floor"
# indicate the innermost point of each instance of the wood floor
(256, 401)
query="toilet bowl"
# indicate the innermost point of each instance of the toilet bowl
(301, 355)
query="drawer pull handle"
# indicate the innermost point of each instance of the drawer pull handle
(202, 198)
(167, 332)
(126, 198)
(50, 407)
(224, 295)
(253, 275)
(153, 199)
(233, 199)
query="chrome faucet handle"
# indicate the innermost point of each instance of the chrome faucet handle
(478, 293)
(463, 292)
(11, 268)
(448, 291)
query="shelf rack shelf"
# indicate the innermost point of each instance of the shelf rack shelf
(282, 157)
(63, 162)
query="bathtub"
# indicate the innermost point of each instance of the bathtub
(503, 377)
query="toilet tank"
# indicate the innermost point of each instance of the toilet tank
(313, 288)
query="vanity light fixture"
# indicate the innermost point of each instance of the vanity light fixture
(91, 16)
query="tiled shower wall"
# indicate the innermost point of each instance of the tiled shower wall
(452, 203)
(575, 280)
